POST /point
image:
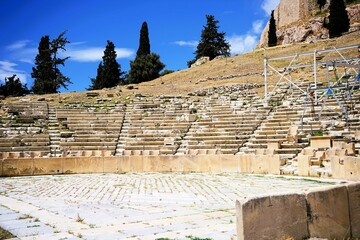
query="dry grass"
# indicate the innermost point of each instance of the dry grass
(190, 80)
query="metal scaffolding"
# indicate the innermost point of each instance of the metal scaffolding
(315, 63)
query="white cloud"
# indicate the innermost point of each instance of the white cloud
(95, 54)
(257, 26)
(269, 5)
(186, 43)
(242, 43)
(18, 45)
(7, 69)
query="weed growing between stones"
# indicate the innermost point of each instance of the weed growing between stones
(5, 234)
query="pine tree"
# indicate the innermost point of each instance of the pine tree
(145, 68)
(321, 3)
(212, 42)
(46, 73)
(147, 65)
(338, 19)
(56, 45)
(43, 71)
(109, 72)
(272, 38)
(13, 87)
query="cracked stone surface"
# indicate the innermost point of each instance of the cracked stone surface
(132, 206)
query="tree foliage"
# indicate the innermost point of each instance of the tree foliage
(109, 72)
(46, 73)
(13, 87)
(272, 38)
(212, 42)
(147, 65)
(338, 19)
(321, 3)
(145, 68)
(144, 42)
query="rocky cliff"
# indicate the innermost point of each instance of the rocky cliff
(302, 20)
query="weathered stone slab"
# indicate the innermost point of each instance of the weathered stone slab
(328, 211)
(69, 165)
(352, 168)
(124, 164)
(47, 166)
(110, 165)
(229, 163)
(17, 167)
(354, 208)
(272, 217)
(90, 165)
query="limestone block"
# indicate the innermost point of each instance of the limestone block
(169, 141)
(337, 167)
(136, 163)
(321, 142)
(328, 211)
(89, 165)
(229, 163)
(110, 165)
(18, 167)
(214, 164)
(273, 145)
(124, 164)
(303, 165)
(69, 165)
(245, 163)
(352, 168)
(354, 208)
(357, 135)
(272, 217)
(47, 166)
(265, 164)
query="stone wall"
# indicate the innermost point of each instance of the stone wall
(121, 164)
(328, 212)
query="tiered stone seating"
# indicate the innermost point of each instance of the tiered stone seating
(23, 130)
(154, 127)
(222, 126)
(279, 133)
(84, 131)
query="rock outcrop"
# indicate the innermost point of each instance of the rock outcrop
(302, 20)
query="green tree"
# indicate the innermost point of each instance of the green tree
(338, 19)
(321, 3)
(13, 87)
(145, 68)
(272, 38)
(109, 72)
(212, 42)
(46, 73)
(144, 42)
(147, 65)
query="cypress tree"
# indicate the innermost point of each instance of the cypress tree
(147, 65)
(272, 38)
(144, 42)
(109, 72)
(212, 42)
(338, 19)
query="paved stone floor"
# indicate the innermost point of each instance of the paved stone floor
(132, 206)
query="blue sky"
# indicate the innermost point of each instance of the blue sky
(174, 29)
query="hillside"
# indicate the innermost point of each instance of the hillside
(242, 69)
